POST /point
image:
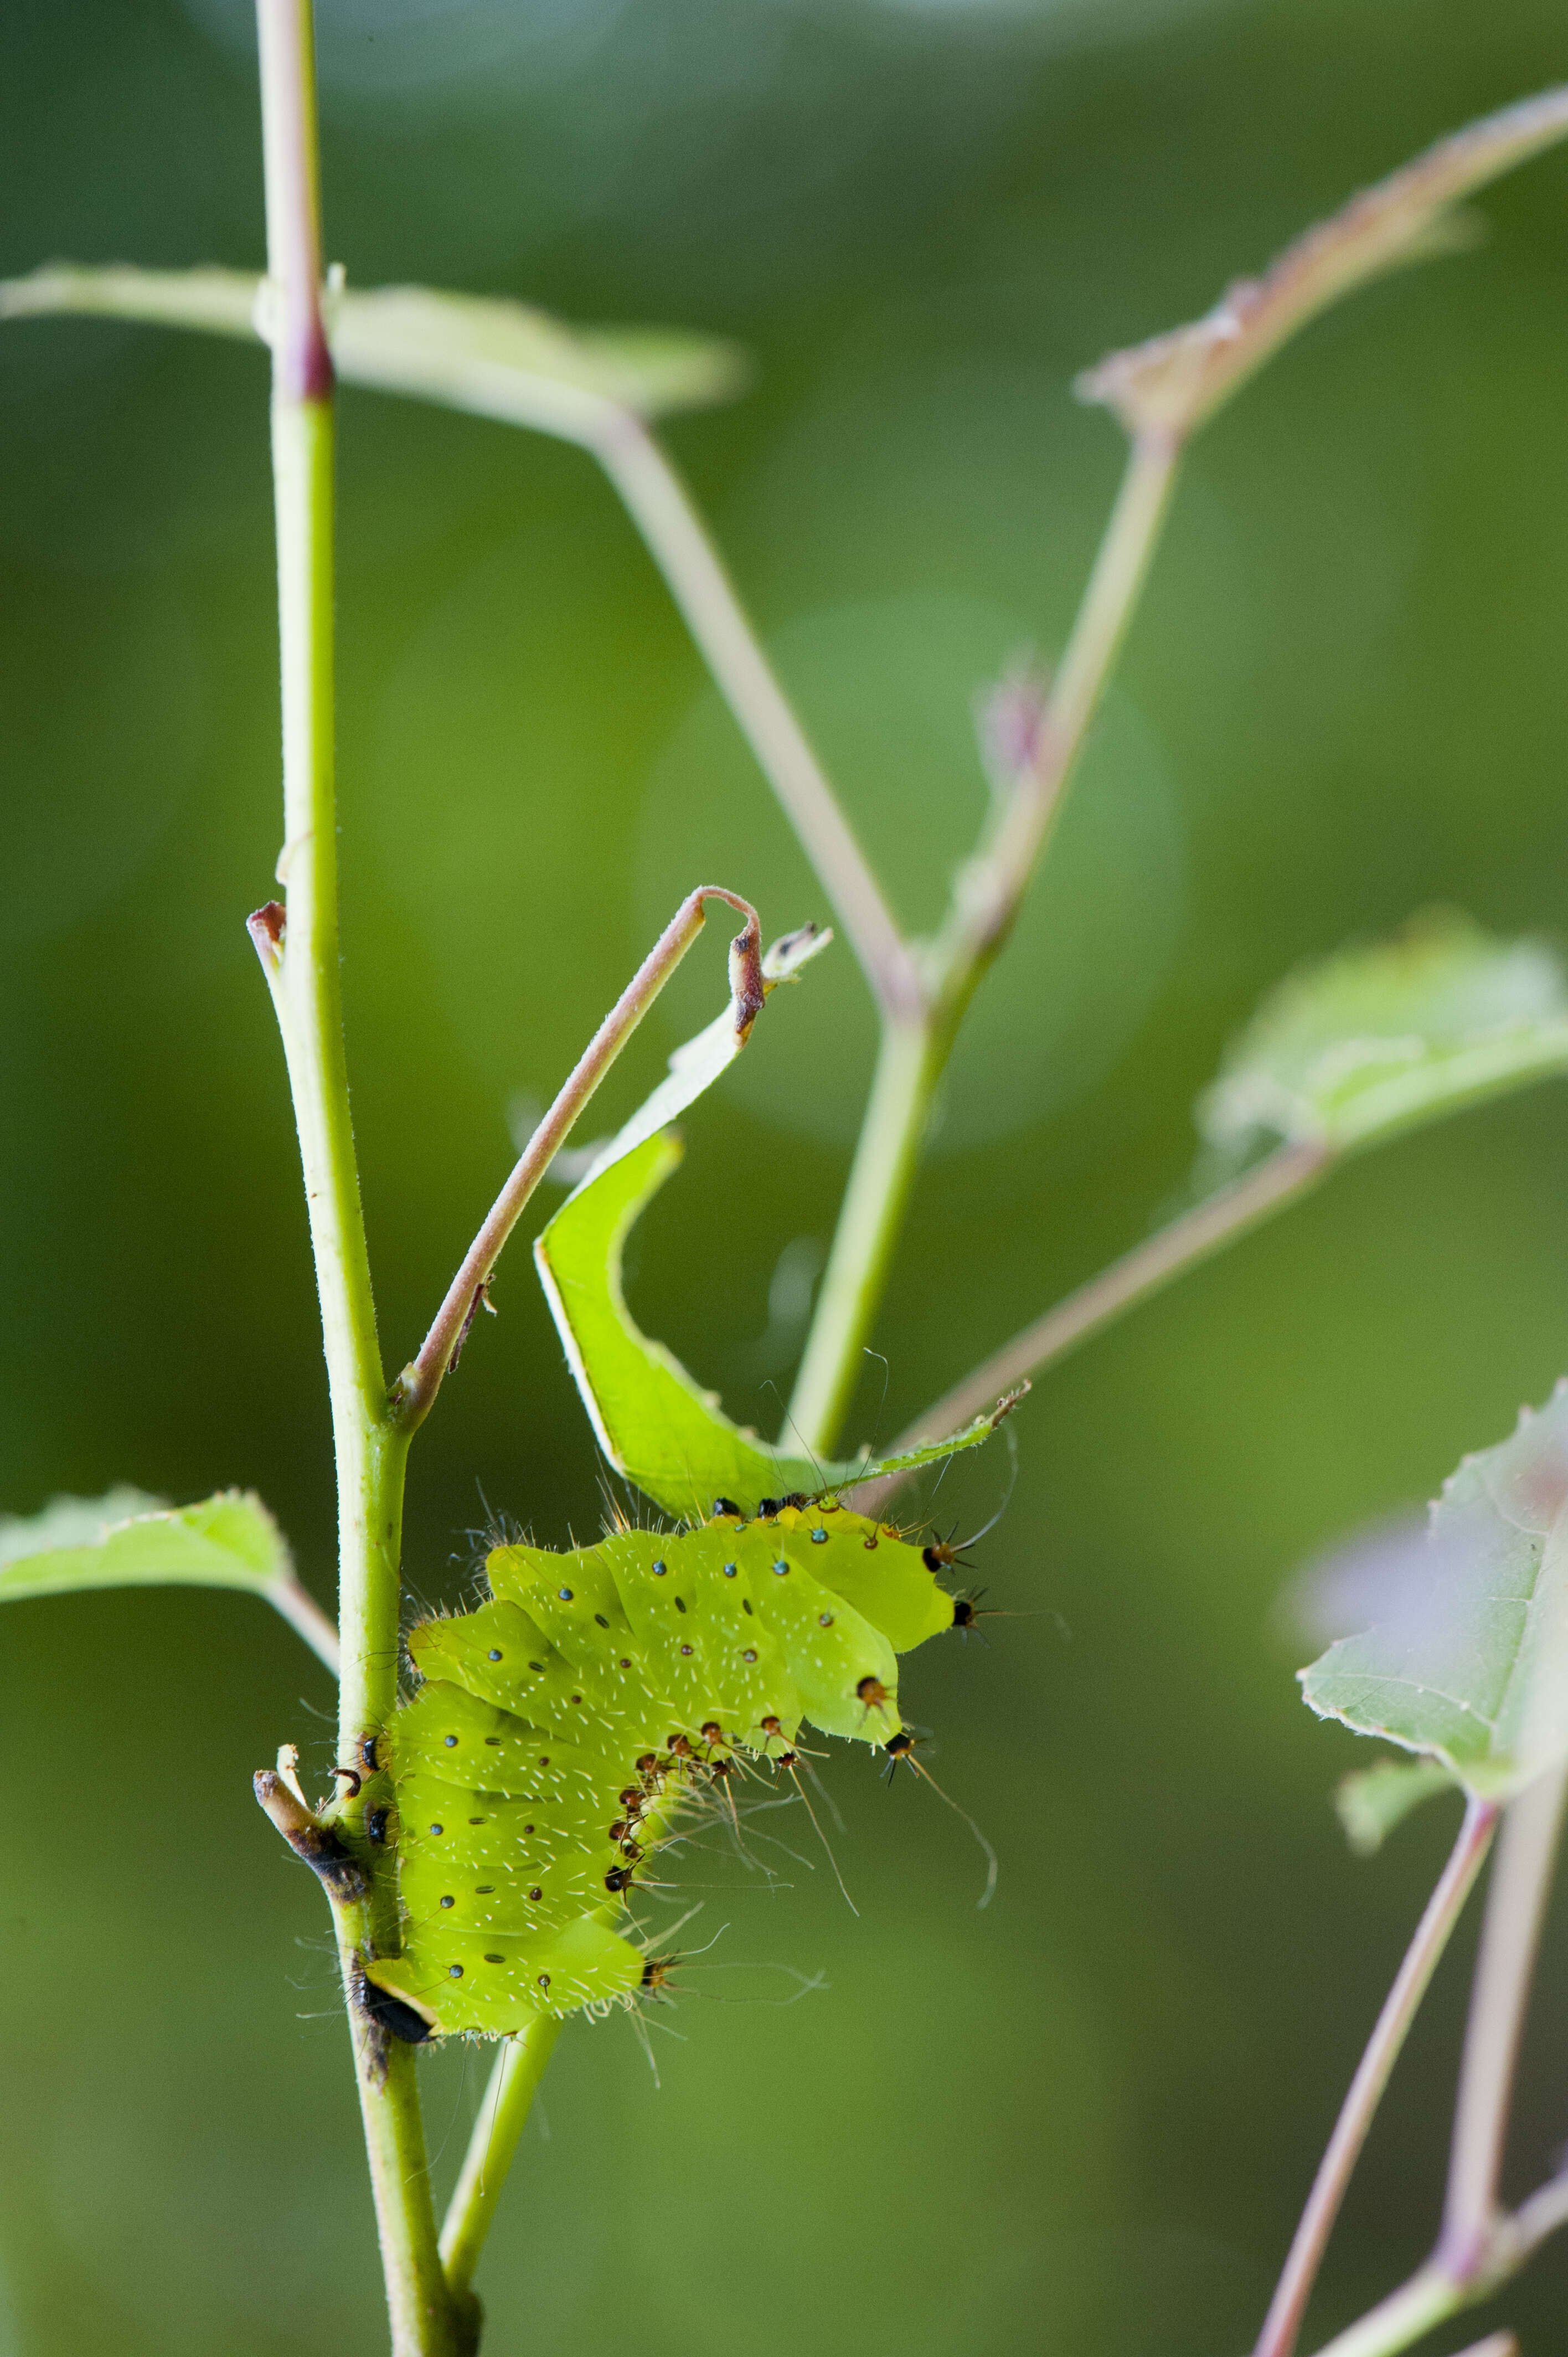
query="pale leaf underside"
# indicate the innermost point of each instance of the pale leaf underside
(490, 355)
(1470, 1664)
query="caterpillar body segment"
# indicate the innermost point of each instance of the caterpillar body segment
(500, 1983)
(565, 1724)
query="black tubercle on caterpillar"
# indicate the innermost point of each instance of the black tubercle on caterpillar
(391, 2014)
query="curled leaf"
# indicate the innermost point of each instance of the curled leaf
(1469, 1666)
(654, 1422)
(1174, 384)
(1378, 1039)
(497, 358)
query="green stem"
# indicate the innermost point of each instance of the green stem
(1426, 2299)
(303, 970)
(991, 887)
(300, 950)
(987, 896)
(677, 540)
(503, 2114)
(907, 1068)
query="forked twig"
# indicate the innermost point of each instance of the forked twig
(1283, 2324)
(416, 1387)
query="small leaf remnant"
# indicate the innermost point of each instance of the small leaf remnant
(267, 927)
(1009, 717)
(1370, 1802)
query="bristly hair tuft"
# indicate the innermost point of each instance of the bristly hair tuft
(626, 1508)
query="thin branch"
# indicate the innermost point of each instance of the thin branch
(305, 1617)
(1435, 2291)
(301, 365)
(1481, 2245)
(1178, 379)
(417, 1385)
(1406, 2314)
(1542, 2215)
(658, 503)
(1510, 1936)
(503, 2113)
(1139, 1273)
(987, 895)
(866, 1237)
(991, 888)
(1283, 2324)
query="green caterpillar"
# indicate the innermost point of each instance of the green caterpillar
(562, 1725)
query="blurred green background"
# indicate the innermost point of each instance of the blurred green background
(1085, 2120)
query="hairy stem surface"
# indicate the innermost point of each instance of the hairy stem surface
(298, 945)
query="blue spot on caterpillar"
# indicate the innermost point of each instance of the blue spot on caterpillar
(549, 1752)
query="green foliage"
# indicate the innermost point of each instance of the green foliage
(1380, 1038)
(1472, 1669)
(598, 1701)
(655, 1423)
(497, 358)
(1373, 1801)
(127, 1540)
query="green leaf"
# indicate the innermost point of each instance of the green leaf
(1175, 383)
(1373, 1801)
(66, 1524)
(491, 356)
(1380, 1039)
(655, 1423)
(1469, 1666)
(128, 1540)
